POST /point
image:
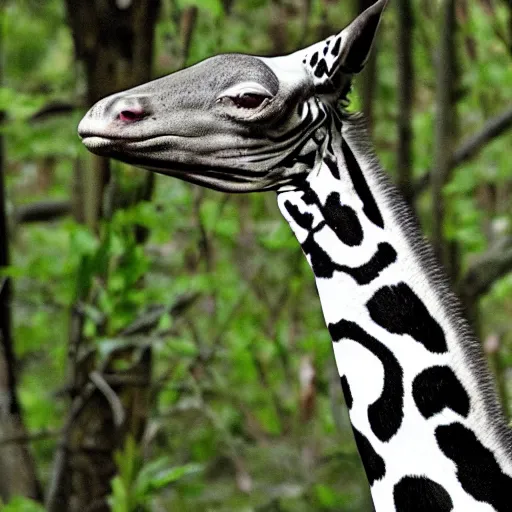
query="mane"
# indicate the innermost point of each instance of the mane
(355, 130)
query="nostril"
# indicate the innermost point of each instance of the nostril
(131, 116)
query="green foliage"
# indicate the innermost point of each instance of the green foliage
(136, 483)
(225, 389)
(108, 274)
(213, 7)
(20, 504)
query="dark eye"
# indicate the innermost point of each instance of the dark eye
(248, 100)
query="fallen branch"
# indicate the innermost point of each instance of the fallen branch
(492, 129)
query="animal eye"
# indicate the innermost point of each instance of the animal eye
(248, 100)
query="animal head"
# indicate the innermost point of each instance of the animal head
(236, 123)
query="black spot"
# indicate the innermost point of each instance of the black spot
(345, 224)
(321, 69)
(373, 463)
(366, 273)
(436, 388)
(346, 391)
(333, 167)
(386, 413)
(400, 311)
(342, 220)
(321, 262)
(477, 470)
(314, 59)
(308, 159)
(304, 220)
(420, 494)
(336, 48)
(309, 197)
(361, 187)
(325, 49)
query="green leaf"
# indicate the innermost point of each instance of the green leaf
(326, 496)
(20, 504)
(153, 478)
(213, 6)
(181, 348)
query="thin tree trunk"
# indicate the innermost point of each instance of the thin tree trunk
(445, 125)
(115, 45)
(405, 97)
(114, 40)
(112, 404)
(367, 80)
(187, 25)
(277, 28)
(17, 467)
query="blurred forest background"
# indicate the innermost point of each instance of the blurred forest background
(162, 346)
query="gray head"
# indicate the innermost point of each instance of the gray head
(232, 122)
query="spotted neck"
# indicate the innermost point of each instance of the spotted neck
(425, 417)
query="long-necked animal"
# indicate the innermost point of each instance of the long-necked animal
(422, 404)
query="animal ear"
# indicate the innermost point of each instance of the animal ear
(334, 60)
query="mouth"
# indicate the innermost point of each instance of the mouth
(97, 143)
(93, 142)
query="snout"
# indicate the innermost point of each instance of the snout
(115, 118)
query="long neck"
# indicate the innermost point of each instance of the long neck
(421, 401)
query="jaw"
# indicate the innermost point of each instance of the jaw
(165, 155)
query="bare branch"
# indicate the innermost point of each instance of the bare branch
(42, 211)
(493, 128)
(55, 108)
(41, 435)
(150, 319)
(486, 270)
(116, 406)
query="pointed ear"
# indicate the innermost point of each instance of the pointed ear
(357, 39)
(334, 60)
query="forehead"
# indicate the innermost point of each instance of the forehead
(224, 71)
(201, 83)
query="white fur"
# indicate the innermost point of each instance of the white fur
(413, 450)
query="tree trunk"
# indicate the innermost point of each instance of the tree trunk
(367, 80)
(114, 41)
(111, 405)
(405, 97)
(17, 467)
(445, 125)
